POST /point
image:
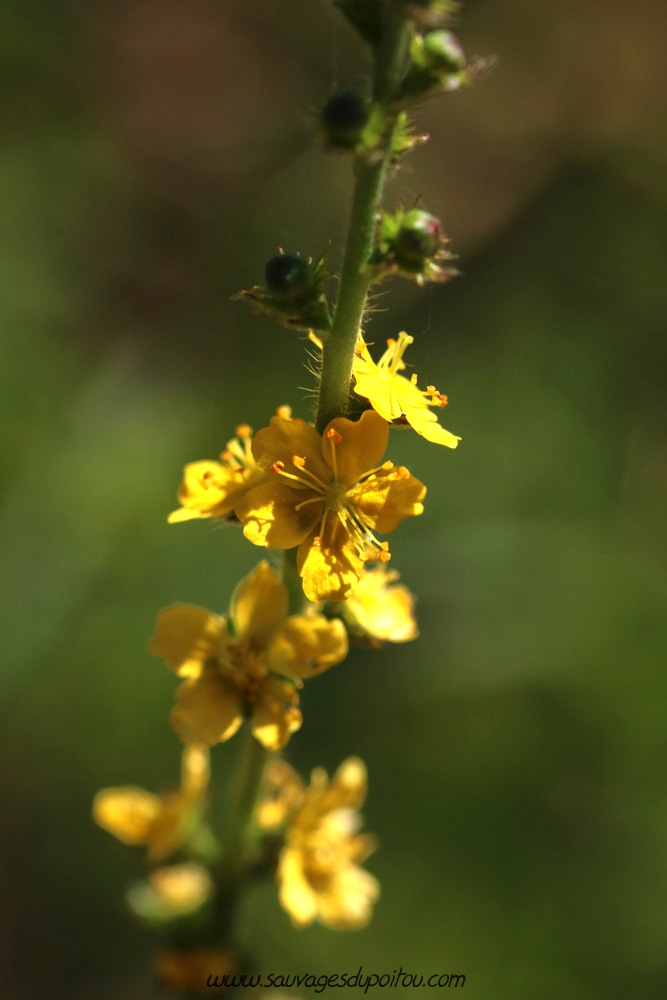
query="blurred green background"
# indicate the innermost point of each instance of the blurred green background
(154, 153)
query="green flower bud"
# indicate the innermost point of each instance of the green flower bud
(419, 236)
(288, 277)
(442, 51)
(344, 118)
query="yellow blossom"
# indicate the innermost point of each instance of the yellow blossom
(328, 495)
(318, 870)
(211, 489)
(171, 892)
(256, 659)
(182, 887)
(381, 610)
(161, 823)
(395, 397)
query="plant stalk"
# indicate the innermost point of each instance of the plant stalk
(371, 175)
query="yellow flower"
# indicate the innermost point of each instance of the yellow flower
(256, 659)
(381, 610)
(161, 823)
(211, 489)
(171, 892)
(191, 970)
(318, 870)
(395, 397)
(328, 495)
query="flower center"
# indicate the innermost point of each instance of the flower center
(339, 499)
(243, 665)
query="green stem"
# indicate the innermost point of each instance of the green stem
(247, 783)
(292, 582)
(371, 174)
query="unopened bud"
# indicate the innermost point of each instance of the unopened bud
(288, 277)
(344, 118)
(442, 51)
(419, 236)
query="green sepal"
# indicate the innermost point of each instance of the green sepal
(405, 138)
(310, 311)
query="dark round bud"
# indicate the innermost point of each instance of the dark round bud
(288, 277)
(344, 117)
(419, 237)
(442, 51)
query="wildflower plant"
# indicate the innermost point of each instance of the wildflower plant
(317, 497)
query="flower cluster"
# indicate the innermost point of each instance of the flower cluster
(319, 498)
(326, 495)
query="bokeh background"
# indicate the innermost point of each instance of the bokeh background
(154, 153)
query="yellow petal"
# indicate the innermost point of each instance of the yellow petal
(275, 714)
(185, 514)
(182, 887)
(172, 827)
(185, 637)
(388, 497)
(259, 605)
(347, 902)
(126, 812)
(296, 894)
(380, 608)
(206, 491)
(330, 569)
(349, 784)
(362, 445)
(370, 384)
(270, 517)
(284, 438)
(195, 770)
(209, 709)
(306, 645)
(282, 794)
(425, 422)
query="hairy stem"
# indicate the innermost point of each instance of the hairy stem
(371, 174)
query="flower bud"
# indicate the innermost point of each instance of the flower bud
(344, 118)
(288, 277)
(420, 236)
(294, 292)
(442, 51)
(413, 245)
